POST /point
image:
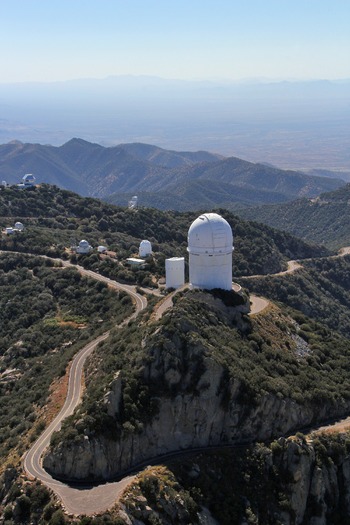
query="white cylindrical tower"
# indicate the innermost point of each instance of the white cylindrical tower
(174, 272)
(210, 246)
(145, 248)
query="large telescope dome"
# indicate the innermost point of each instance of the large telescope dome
(210, 245)
(210, 233)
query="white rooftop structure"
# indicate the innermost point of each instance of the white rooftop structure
(145, 248)
(9, 231)
(83, 247)
(210, 246)
(101, 249)
(133, 261)
(174, 272)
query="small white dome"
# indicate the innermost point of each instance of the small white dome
(83, 243)
(145, 248)
(19, 226)
(210, 234)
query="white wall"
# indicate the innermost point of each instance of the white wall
(174, 272)
(213, 271)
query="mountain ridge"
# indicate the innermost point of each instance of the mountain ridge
(94, 170)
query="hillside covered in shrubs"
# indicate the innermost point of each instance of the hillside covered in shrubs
(262, 376)
(55, 218)
(324, 220)
(46, 314)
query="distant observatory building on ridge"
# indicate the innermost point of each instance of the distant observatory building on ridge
(28, 181)
(132, 204)
(210, 246)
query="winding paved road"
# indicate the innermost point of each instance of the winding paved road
(258, 304)
(75, 500)
(80, 500)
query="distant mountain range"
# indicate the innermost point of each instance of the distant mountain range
(161, 178)
(299, 125)
(323, 220)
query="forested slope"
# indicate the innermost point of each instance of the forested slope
(324, 220)
(54, 217)
(46, 314)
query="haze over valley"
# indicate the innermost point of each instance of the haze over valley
(290, 124)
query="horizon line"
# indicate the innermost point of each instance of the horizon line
(210, 80)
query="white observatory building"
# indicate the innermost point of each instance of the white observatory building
(145, 248)
(83, 247)
(210, 246)
(174, 272)
(19, 226)
(132, 204)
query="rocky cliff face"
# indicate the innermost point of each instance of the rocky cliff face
(311, 479)
(294, 481)
(199, 406)
(188, 421)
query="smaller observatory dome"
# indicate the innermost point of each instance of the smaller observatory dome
(19, 226)
(210, 234)
(83, 247)
(145, 248)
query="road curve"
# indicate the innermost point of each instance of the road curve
(258, 304)
(79, 500)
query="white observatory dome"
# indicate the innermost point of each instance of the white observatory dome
(19, 226)
(145, 248)
(83, 247)
(210, 247)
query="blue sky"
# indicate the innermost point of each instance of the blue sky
(49, 40)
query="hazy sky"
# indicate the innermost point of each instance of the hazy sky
(48, 40)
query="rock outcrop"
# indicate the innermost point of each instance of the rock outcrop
(187, 421)
(200, 405)
(311, 479)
